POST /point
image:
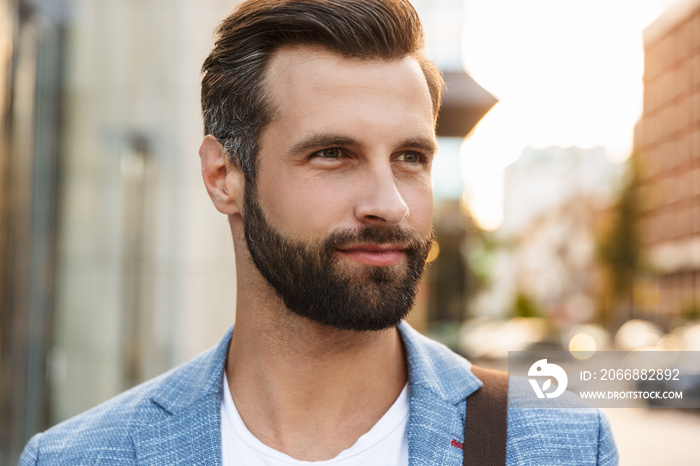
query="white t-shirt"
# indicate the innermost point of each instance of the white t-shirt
(385, 444)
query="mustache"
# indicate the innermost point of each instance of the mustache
(376, 234)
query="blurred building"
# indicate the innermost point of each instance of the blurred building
(30, 50)
(543, 179)
(554, 208)
(554, 262)
(667, 143)
(106, 277)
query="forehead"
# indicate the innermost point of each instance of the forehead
(315, 86)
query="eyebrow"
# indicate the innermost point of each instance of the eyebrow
(424, 144)
(321, 140)
(315, 141)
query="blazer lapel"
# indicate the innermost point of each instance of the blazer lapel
(191, 436)
(435, 431)
(186, 427)
(439, 383)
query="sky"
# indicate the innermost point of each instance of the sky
(566, 73)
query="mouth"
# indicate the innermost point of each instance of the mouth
(375, 254)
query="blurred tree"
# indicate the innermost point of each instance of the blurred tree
(525, 306)
(619, 248)
(690, 311)
(461, 269)
(481, 250)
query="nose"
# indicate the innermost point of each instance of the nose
(379, 201)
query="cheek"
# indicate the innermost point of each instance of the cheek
(305, 206)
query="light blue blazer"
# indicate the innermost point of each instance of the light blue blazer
(176, 419)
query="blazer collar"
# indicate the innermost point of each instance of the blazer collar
(439, 383)
(190, 432)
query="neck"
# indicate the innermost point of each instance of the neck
(303, 388)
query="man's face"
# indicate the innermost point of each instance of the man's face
(339, 219)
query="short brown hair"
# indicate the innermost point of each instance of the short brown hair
(235, 105)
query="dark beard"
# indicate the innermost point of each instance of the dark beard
(311, 281)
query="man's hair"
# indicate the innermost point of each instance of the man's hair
(235, 104)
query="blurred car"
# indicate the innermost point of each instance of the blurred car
(636, 334)
(688, 383)
(683, 344)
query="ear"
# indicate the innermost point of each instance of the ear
(224, 181)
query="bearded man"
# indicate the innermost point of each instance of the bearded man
(320, 120)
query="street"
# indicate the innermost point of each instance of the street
(656, 436)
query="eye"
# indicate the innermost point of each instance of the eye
(329, 153)
(410, 157)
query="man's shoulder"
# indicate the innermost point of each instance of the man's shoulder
(99, 430)
(568, 432)
(105, 432)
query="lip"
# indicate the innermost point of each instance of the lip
(375, 254)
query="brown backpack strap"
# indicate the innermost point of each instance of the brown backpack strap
(486, 423)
